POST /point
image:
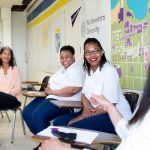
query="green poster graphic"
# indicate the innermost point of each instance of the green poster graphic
(130, 41)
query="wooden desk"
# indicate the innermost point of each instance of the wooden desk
(39, 84)
(103, 138)
(67, 104)
(33, 94)
(29, 82)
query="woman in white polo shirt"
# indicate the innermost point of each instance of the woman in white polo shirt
(101, 79)
(135, 134)
(65, 84)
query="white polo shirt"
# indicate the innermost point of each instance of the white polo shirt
(106, 82)
(72, 76)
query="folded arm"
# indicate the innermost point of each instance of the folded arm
(64, 92)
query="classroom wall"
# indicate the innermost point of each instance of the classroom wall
(13, 33)
(120, 27)
(5, 17)
(1, 33)
(19, 40)
(51, 30)
(73, 33)
(42, 43)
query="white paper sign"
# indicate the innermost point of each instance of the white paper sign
(84, 136)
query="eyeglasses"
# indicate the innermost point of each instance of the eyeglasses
(93, 52)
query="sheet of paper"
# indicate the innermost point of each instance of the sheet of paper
(84, 136)
(36, 92)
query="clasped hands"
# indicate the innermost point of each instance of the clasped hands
(102, 105)
(48, 91)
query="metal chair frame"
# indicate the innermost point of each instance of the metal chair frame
(6, 115)
(14, 121)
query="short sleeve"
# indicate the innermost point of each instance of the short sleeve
(111, 84)
(75, 76)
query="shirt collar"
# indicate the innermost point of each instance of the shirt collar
(97, 71)
(70, 67)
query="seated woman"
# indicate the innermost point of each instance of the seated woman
(135, 134)
(101, 79)
(65, 84)
(10, 79)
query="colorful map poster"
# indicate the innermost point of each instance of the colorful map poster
(130, 41)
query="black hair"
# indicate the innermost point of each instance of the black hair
(12, 61)
(86, 65)
(144, 105)
(68, 48)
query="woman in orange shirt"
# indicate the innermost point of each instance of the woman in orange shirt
(10, 79)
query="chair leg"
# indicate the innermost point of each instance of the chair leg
(25, 102)
(7, 116)
(13, 124)
(105, 147)
(13, 127)
(23, 126)
(2, 115)
(113, 146)
(110, 146)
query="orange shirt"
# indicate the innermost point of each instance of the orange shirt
(11, 82)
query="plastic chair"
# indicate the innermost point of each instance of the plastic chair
(6, 115)
(14, 120)
(132, 98)
(111, 146)
(42, 88)
(44, 83)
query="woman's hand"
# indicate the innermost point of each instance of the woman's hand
(87, 112)
(101, 101)
(75, 119)
(108, 107)
(54, 144)
(97, 111)
(48, 91)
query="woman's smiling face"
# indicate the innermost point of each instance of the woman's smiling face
(5, 56)
(66, 58)
(93, 55)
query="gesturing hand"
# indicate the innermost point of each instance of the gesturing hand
(101, 101)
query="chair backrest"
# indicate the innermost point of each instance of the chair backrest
(132, 98)
(45, 82)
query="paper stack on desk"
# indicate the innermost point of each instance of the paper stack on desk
(36, 92)
(84, 136)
